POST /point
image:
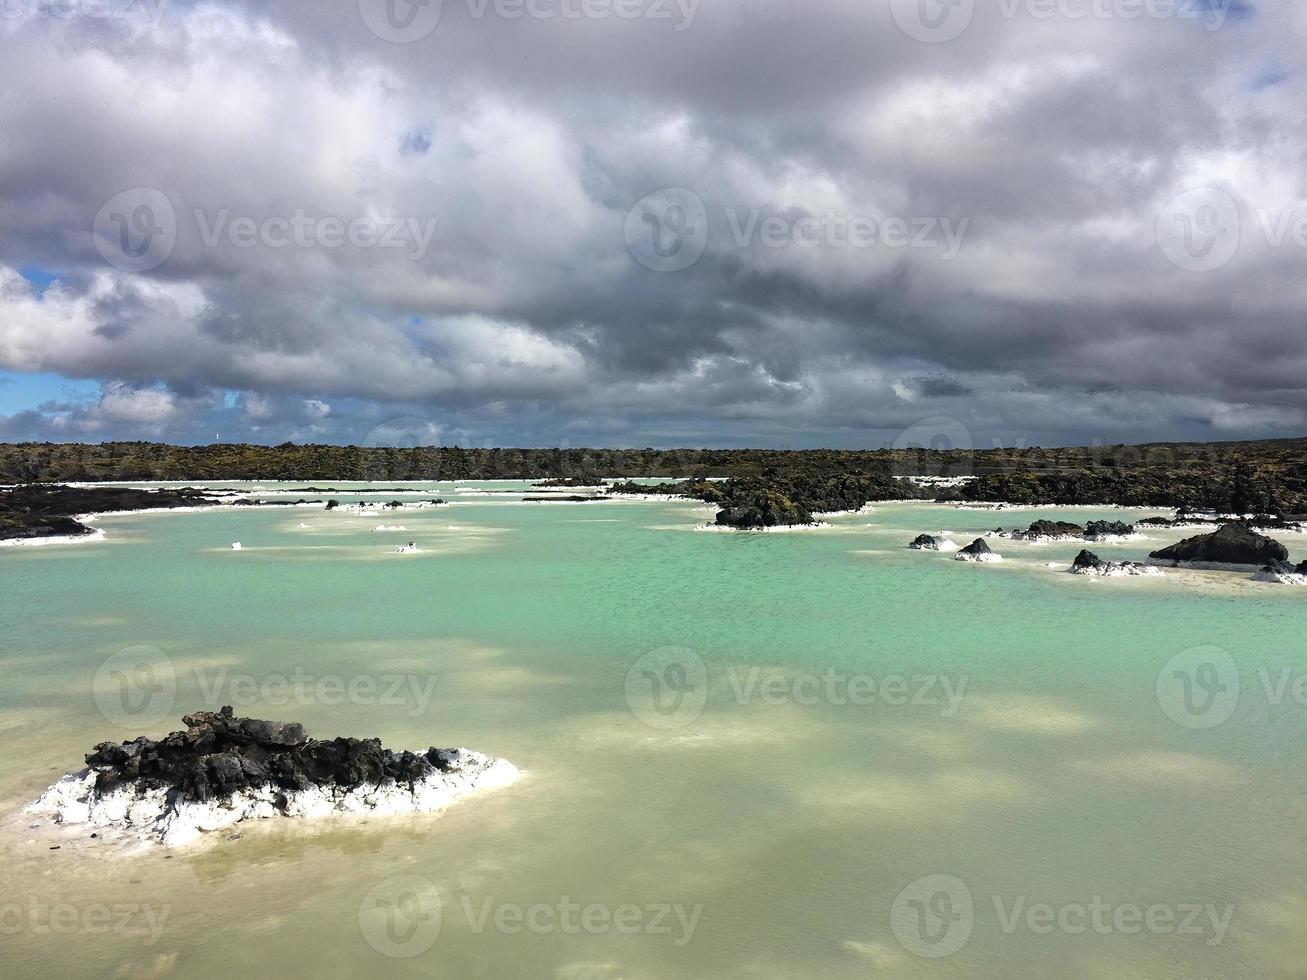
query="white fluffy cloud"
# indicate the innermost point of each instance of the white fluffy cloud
(359, 231)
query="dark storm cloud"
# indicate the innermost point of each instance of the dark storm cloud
(872, 224)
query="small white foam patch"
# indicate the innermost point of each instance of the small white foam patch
(135, 814)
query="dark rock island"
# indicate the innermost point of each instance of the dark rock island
(1235, 546)
(223, 769)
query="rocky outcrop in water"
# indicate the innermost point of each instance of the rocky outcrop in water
(223, 769)
(1108, 530)
(1282, 573)
(1053, 531)
(763, 509)
(1088, 563)
(978, 551)
(1234, 546)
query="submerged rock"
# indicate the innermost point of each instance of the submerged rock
(928, 542)
(225, 769)
(1235, 546)
(978, 550)
(1282, 573)
(1088, 563)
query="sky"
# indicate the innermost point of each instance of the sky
(669, 223)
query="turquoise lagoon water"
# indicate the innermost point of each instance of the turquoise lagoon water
(799, 797)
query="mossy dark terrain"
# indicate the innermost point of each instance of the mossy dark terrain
(751, 488)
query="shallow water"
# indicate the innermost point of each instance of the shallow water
(837, 718)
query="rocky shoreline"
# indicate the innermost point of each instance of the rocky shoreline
(1234, 547)
(223, 770)
(40, 511)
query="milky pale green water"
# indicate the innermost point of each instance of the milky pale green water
(783, 827)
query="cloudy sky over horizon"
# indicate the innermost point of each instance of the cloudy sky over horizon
(653, 222)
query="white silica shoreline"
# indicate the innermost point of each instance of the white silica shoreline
(136, 815)
(96, 534)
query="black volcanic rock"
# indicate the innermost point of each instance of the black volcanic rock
(1054, 529)
(978, 550)
(925, 542)
(50, 510)
(571, 499)
(1233, 544)
(1095, 530)
(762, 509)
(1088, 563)
(220, 754)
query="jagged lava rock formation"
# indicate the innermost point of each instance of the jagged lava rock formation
(224, 769)
(1235, 547)
(1088, 563)
(978, 550)
(1110, 531)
